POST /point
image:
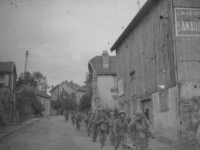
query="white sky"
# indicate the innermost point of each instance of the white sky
(61, 35)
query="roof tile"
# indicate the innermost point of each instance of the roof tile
(97, 64)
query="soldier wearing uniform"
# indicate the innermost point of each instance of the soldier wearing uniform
(111, 126)
(141, 129)
(87, 122)
(92, 126)
(78, 121)
(120, 130)
(101, 122)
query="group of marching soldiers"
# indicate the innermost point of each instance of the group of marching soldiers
(118, 127)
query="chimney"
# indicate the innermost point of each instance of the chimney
(71, 82)
(105, 59)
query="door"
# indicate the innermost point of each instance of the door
(148, 110)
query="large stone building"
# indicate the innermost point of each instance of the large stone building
(8, 76)
(104, 77)
(158, 66)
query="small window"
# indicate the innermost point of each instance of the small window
(164, 101)
(114, 90)
(2, 78)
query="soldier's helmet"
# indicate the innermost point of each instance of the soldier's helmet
(112, 113)
(121, 111)
(139, 114)
(100, 109)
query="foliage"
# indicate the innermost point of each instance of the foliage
(35, 80)
(56, 104)
(28, 101)
(40, 79)
(66, 101)
(27, 79)
(85, 101)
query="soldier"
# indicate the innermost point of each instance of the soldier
(141, 129)
(73, 118)
(78, 121)
(66, 115)
(92, 125)
(101, 122)
(87, 122)
(111, 131)
(120, 130)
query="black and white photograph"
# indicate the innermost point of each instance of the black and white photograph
(99, 74)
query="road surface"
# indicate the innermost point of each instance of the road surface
(51, 134)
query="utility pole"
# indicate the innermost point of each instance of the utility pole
(25, 67)
(138, 2)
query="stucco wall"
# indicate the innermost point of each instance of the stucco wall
(104, 85)
(66, 88)
(166, 123)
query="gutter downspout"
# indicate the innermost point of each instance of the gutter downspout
(176, 71)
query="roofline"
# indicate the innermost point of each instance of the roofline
(72, 86)
(54, 88)
(23, 85)
(96, 72)
(43, 96)
(133, 23)
(92, 66)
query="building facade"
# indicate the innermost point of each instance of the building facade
(44, 99)
(8, 76)
(158, 66)
(104, 77)
(69, 87)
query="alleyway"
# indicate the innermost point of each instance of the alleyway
(50, 134)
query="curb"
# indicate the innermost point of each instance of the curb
(20, 128)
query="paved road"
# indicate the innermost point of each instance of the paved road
(50, 134)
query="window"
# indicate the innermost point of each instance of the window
(164, 101)
(114, 90)
(2, 80)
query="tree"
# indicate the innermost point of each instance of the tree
(41, 80)
(27, 103)
(35, 80)
(27, 79)
(85, 101)
(56, 105)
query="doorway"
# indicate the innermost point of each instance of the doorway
(147, 109)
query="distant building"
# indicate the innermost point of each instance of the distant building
(158, 67)
(8, 76)
(103, 71)
(44, 98)
(69, 87)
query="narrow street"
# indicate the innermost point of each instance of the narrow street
(51, 134)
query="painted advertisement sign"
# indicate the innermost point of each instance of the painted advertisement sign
(187, 21)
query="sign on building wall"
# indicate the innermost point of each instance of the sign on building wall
(120, 87)
(187, 21)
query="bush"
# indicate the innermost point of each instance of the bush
(27, 104)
